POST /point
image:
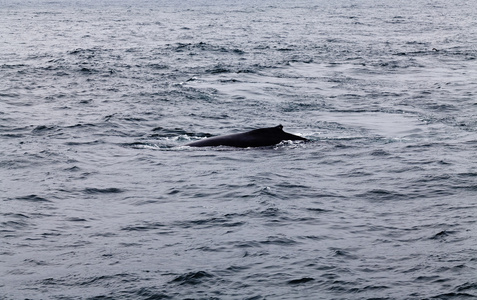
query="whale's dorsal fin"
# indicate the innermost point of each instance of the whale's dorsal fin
(260, 137)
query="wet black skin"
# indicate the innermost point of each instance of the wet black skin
(256, 138)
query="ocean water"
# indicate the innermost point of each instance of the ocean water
(100, 199)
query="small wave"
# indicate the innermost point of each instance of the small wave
(76, 219)
(87, 143)
(207, 223)
(73, 169)
(317, 210)
(468, 174)
(22, 216)
(9, 95)
(379, 152)
(157, 66)
(103, 191)
(147, 293)
(14, 225)
(192, 278)
(171, 132)
(12, 66)
(81, 125)
(301, 280)
(442, 235)
(279, 241)
(88, 281)
(139, 145)
(87, 52)
(459, 296)
(86, 70)
(382, 195)
(143, 227)
(180, 47)
(42, 129)
(218, 70)
(33, 198)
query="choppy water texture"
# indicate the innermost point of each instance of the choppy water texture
(100, 199)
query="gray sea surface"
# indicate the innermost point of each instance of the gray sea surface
(101, 199)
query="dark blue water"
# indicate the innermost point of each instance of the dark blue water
(99, 199)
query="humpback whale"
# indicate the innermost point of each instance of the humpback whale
(256, 138)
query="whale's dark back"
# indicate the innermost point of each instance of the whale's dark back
(256, 138)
